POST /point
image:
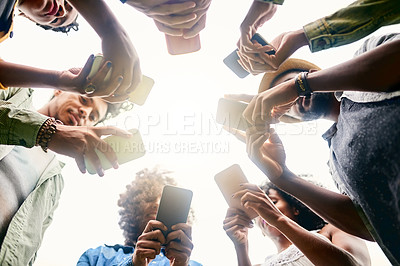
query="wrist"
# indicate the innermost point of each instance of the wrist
(46, 133)
(302, 86)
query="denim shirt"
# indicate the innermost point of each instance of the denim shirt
(351, 23)
(119, 255)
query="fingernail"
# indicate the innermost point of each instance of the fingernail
(109, 64)
(120, 79)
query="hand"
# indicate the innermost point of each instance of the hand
(236, 226)
(249, 50)
(126, 73)
(270, 105)
(179, 244)
(74, 79)
(78, 141)
(256, 61)
(254, 198)
(269, 156)
(149, 243)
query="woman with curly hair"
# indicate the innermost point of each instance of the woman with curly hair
(144, 240)
(301, 237)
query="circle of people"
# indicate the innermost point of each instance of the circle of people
(309, 224)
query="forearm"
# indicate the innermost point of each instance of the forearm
(319, 251)
(242, 254)
(15, 75)
(100, 17)
(335, 208)
(258, 10)
(351, 23)
(373, 71)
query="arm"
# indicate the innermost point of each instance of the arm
(335, 208)
(116, 46)
(357, 74)
(236, 226)
(314, 247)
(178, 245)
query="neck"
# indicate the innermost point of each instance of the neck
(44, 110)
(281, 242)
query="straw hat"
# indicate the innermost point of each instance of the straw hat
(291, 64)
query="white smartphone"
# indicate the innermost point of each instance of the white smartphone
(229, 113)
(174, 206)
(140, 94)
(127, 149)
(229, 181)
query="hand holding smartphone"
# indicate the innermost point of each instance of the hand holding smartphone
(127, 149)
(231, 60)
(174, 206)
(229, 181)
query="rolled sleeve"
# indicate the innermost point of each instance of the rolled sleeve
(277, 2)
(351, 23)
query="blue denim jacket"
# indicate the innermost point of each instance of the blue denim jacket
(118, 255)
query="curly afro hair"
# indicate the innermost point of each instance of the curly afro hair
(306, 218)
(146, 187)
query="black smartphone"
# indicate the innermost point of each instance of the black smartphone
(174, 206)
(231, 60)
(229, 113)
(228, 181)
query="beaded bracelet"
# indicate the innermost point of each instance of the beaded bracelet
(302, 85)
(46, 131)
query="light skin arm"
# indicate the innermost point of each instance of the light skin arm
(116, 45)
(373, 71)
(236, 226)
(316, 249)
(80, 141)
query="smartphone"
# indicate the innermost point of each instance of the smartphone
(97, 63)
(229, 113)
(127, 149)
(231, 60)
(140, 94)
(174, 206)
(178, 45)
(228, 181)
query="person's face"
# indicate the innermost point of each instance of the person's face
(149, 211)
(307, 108)
(53, 13)
(282, 205)
(76, 110)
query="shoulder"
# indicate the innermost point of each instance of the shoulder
(375, 41)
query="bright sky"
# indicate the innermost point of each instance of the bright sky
(177, 124)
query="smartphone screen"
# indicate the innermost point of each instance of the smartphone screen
(229, 113)
(174, 206)
(231, 60)
(126, 149)
(229, 181)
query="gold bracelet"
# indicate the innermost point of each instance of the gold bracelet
(46, 131)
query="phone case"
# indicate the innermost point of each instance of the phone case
(229, 113)
(178, 45)
(127, 149)
(140, 94)
(97, 63)
(229, 181)
(231, 60)
(174, 206)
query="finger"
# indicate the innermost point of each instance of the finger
(153, 225)
(195, 30)
(110, 130)
(137, 78)
(95, 161)
(87, 67)
(168, 30)
(239, 97)
(239, 134)
(187, 229)
(80, 161)
(170, 9)
(176, 21)
(108, 151)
